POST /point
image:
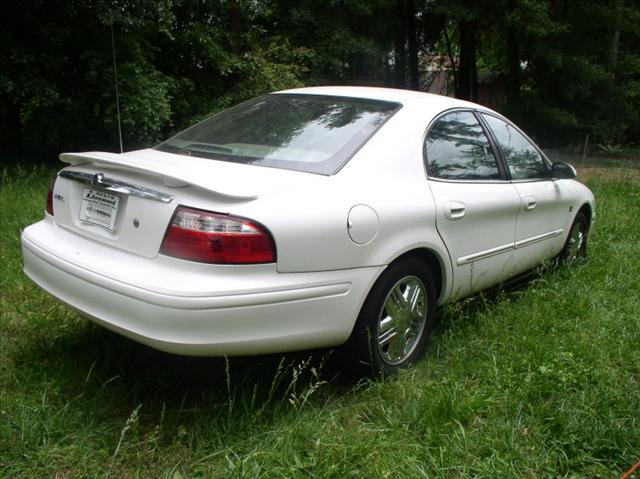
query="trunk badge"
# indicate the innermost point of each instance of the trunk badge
(97, 179)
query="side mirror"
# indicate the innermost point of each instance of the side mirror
(563, 171)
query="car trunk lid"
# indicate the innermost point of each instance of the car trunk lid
(233, 180)
(127, 200)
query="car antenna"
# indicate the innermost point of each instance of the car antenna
(115, 79)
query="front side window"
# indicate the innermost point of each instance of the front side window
(457, 148)
(311, 133)
(523, 159)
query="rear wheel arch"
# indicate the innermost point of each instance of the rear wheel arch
(434, 263)
(429, 257)
(390, 334)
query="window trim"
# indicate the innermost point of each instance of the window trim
(502, 171)
(545, 160)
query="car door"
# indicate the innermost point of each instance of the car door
(545, 202)
(476, 206)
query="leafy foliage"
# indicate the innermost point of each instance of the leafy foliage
(569, 68)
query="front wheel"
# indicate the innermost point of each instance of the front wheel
(575, 248)
(396, 319)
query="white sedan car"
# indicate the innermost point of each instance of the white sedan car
(305, 218)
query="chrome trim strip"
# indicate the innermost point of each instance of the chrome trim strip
(109, 184)
(535, 239)
(466, 180)
(484, 254)
(501, 249)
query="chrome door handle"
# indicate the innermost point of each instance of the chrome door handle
(530, 203)
(455, 210)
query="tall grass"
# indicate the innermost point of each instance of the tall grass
(543, 381)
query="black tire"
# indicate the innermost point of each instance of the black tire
(365, 352)
(575, 248)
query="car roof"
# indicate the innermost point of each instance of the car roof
(385, 94)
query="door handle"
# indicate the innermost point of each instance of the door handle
(455, 210)
(530, 203)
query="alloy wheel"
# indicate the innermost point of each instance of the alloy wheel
(401, 320)
(576, 242)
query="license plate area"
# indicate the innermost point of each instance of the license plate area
(99, 208)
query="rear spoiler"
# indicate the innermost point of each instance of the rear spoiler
(218, 177)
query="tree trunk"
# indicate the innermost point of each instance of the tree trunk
(452, 61)
(235, 27)
(467, 88)
(514, 80)
(613, 66)
(400, 66)
(412, 37)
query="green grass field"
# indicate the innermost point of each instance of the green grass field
(539, 382)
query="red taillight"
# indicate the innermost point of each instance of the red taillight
(50, 195)
(208, 237)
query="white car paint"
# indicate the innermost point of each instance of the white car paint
(334, 236)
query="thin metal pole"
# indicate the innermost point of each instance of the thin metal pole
(115, 79)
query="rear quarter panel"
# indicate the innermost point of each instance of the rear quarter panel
(309, 225)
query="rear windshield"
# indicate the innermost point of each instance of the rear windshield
(311, 133)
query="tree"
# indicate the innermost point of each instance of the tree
(570, 67)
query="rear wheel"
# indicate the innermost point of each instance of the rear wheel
(575, 249)
(396, 319)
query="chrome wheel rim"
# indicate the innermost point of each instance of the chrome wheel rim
(401, 320)
(576, 241)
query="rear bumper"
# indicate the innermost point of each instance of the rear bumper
(191, 308)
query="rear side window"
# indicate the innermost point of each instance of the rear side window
(311, 133)
(524, 160)
(457, 148)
